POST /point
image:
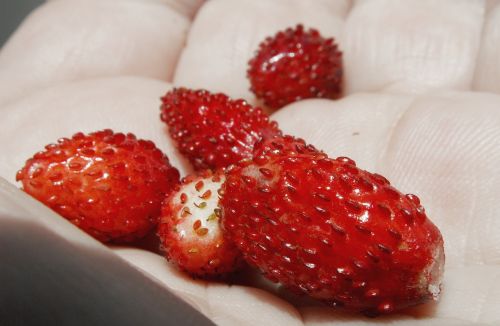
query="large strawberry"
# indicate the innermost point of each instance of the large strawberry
(212, 130)
(296, 64)
(326, 228)
(190, 232)
(111, 185)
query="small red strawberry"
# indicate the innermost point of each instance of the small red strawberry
(295, 64)
(333, 231)
(190, 232)
(111, 185)
(212, 130)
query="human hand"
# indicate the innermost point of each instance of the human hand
(415, 110)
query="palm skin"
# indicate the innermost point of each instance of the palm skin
(420, 108)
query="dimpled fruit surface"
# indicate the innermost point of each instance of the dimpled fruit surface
(295, 64)
(110, 185)
(325, 228)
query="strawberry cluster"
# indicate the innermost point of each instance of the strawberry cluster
(320, 226)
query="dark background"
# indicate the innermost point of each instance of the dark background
(12, 12)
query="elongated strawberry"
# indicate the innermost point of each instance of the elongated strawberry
(295, 64)
(212, 130)
(190, 232)
(328, 229)
(111, 185)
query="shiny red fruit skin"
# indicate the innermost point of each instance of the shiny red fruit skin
(295, 64)
(111, 185)
(212, 130)
(328, 229)
(196, 243)
(281, 145)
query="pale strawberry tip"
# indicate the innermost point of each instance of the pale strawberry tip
(190, 233)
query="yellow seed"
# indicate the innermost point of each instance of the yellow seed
(212, 217)
(201, 205)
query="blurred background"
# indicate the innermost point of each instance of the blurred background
(12, 12)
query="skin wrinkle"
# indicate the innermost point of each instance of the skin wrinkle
(475, 73)
(490, 220)
(422, 85)
(484, 299)
(470, 221)
(187, 8)
(388, 141)
(489, 231)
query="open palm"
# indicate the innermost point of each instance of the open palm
(420, 108)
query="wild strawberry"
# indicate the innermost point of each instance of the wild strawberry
(295, 64)
(333, 231)
(212, 130)
(111, 185)
(190, 232)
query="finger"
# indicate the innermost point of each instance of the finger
(442, 148)
(381, 51)
(187, 8)
(78, 39)
(487, 77)
(124, 104)
(412, 46)
(218, 50)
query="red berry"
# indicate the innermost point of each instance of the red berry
(190, 232)
(111, 185)
(212, 130)
(296, 64)
(333, 231)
